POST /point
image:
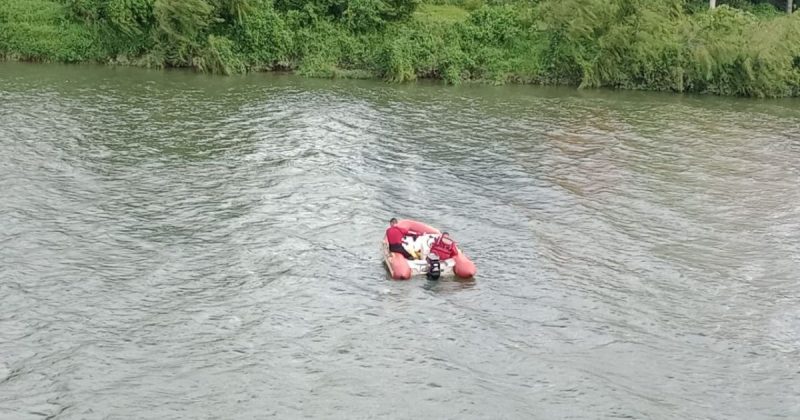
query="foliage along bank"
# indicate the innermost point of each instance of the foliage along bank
(671, 45)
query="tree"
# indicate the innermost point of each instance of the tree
(712, 3)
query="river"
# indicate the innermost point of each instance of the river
(176, 245)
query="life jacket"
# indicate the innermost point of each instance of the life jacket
(444, 248)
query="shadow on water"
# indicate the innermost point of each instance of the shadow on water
(448, 285)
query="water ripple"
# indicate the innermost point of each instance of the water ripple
(177, 245)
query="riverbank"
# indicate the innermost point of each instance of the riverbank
(668, 46)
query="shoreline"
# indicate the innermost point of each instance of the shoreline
(665, 46)
(556, 90)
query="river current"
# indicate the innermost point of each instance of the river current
(174, 245)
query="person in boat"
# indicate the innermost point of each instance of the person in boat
(395, 235)
(444, 247)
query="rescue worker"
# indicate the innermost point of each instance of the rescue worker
(394, 235)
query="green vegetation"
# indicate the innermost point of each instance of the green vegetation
(446, 14)
(742, 47)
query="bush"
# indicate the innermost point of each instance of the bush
(675, 45)
(40, 31)
(356, 15)
(264, 39)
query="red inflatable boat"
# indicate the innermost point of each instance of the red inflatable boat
(428, 263)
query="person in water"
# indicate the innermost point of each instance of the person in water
(444, 247)
(394, 235)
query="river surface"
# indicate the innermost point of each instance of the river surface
(174, 245)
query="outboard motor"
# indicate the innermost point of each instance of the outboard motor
(434, 268)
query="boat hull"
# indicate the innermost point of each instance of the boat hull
(401, 268)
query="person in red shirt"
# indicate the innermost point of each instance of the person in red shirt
(444, 247)
(394, 235)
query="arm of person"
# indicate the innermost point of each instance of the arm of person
(411, 233)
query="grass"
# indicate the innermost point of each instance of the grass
(445, 13)
(629, 44)
(38, 30)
